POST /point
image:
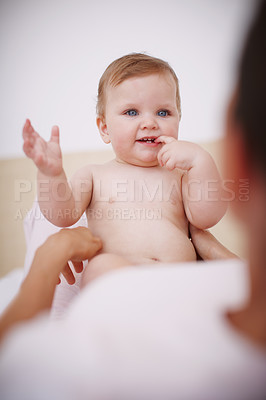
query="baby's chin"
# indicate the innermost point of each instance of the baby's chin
(139, 163)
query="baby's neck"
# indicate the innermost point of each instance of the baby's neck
(135, 164)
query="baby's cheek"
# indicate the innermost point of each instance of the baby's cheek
(174, 131)
(120, 145)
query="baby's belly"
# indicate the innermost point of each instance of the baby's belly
(146, 241)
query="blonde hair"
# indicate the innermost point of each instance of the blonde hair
(132, 65)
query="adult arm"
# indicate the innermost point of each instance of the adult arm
(207, 246)
(37, 291)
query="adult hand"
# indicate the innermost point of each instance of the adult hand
(37, 290)
(82, 246)
(207, 246)
(73, 245)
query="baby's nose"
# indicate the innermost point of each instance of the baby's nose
(149, 122)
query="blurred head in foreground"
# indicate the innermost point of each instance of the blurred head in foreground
(246, 129)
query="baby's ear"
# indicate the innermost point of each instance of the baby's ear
(103, 129)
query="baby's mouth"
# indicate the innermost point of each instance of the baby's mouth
(147, 139)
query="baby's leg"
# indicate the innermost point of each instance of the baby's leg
(101, 264)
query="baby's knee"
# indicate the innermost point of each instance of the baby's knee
(101, 264)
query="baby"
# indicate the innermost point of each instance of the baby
(141, 203)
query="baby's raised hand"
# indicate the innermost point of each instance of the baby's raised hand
(46, 155)
(175, 153)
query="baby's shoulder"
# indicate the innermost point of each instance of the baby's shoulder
(113, 170)
(96, 172)
(93, 169)
(99, 170)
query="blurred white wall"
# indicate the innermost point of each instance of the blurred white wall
(53, 53)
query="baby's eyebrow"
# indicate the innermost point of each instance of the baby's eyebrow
(156, 106)
(166, 105)
(129, 105)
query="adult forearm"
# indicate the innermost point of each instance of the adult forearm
(208, 247)
(31, 300)
(37, 290)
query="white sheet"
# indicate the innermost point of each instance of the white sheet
(135, 333)
(9, 286)
(37, 229)
(140, 333)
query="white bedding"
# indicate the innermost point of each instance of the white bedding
(9, 286)
(37, 229)
(138, 333)
(135, 331)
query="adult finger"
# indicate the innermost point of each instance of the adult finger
(68, 275)
(207, 246)
(81, 243)
(95, 245)
(78, 266)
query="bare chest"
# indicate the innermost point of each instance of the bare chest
(135, 190)
(139, 213)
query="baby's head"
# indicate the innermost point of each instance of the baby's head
(129, 66)
(138, 101)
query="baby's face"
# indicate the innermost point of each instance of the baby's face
(138, 111)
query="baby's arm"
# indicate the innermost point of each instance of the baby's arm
(202, 189)
(60, 202)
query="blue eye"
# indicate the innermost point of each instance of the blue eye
(163, 113)
(131, 113)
